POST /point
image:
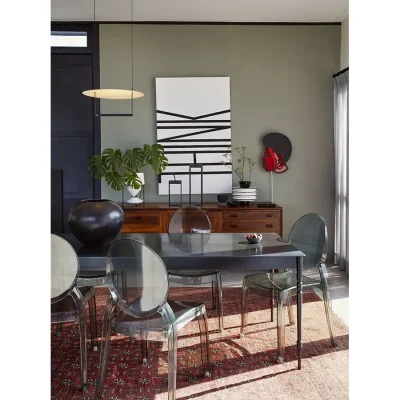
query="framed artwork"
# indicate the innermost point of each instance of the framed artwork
(194, 126)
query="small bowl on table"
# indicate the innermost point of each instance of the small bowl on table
(254, 238)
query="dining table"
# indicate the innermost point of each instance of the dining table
(222, 251)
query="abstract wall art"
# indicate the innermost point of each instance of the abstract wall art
(194, 126)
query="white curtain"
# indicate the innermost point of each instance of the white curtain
(341, 139)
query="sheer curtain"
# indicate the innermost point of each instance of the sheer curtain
(341, 140)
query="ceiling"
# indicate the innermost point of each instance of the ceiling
(202, 10)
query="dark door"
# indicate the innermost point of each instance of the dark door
(73, 130)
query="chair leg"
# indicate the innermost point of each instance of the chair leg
(220, 308)
(214, 294)
(78, 300)
(104, 348)
(244, 310)
(59, 329)
(204, 343)
(117, 277)
(327, 299)
(290, 310)
(328, 313)
(93, 321)
(145, 351)
(172, 364)
(281, 327)
(82, 334)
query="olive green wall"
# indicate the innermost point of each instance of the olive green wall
(281, 80)
(344, 54)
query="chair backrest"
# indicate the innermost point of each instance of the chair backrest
(137, 278)
(309, 234)
(64, 268)
(189, 219)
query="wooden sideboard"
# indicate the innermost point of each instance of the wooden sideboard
(154, 218)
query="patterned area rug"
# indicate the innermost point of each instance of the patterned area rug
(241, 368)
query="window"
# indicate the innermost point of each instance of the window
(68, 39)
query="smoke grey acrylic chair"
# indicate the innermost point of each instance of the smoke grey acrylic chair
(142, 310)
(189, 220)
(309, 235)
(67, 301)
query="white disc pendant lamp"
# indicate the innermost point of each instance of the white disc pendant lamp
(114, 94)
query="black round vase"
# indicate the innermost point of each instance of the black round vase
(96, 222)
(244, 184)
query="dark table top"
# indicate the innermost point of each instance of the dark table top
(197, 251)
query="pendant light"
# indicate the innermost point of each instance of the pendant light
(114, 94)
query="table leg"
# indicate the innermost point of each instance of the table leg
(299, 265)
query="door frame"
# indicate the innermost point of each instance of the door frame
(93, 49)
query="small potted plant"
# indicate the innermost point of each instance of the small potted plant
(120, 170)
(242, 162)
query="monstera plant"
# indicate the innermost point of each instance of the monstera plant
(122, 169)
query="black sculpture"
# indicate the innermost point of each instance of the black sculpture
(174, 182)
(200, 167)
(96, 222)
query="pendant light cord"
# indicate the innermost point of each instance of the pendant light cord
(94, 33)
(132, 43)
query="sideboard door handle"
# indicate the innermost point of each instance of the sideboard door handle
(269, 226)
(234, 226)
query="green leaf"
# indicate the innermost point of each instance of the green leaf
(119, 170)
(113, 158)
(154, 156)
(97, 166)
(134, 159)
(131, 179)
(115, 180)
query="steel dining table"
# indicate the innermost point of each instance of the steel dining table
(223, 251)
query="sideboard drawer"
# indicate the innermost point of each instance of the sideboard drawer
(237, 216)
(258, 227)
(141, 222)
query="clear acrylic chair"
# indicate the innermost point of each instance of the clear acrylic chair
(67, 301)
(143, 312)
(185, 221)
(310, 235)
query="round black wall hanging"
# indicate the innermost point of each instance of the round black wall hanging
(280, 143)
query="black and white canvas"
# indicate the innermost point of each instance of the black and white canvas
(194, 126)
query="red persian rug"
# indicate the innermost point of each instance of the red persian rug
(241, 368)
